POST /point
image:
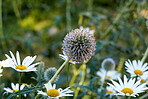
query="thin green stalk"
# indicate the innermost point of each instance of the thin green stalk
(59, 70)
(81, 82)
(103, 81)
(68, 15)
(2, 45)
(67, 75)
(19, 85)
(126, 97)
(16, 9)
(76, 73)
(108, 31)
(1, 25)
(145, 55)
(90, 5)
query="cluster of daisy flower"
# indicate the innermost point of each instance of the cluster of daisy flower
(78, 47)
(27, 66)
(131, 85)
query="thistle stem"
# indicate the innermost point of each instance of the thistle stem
(67, 74)
(81, 82)
(59, 70)
(145, 55)
(75, 74)
(19, 85)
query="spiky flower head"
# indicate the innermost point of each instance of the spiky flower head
(79, 45)
(108, 64)
(49, 73)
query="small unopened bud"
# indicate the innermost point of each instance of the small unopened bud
(49, 73)
(108, 64)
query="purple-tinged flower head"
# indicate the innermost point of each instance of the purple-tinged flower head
(79, 45)
(108, 64)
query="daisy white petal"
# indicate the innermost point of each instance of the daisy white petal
(8, 90)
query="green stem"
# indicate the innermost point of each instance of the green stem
(2, 41)
(126, 97)
(67, 74)
(108, 31)
(68, 15)
(76, 73)
(16, 9)
(19, 85)
(90, 5)
(145, 55)
(81, 82)
(59, 70)
(103, 81)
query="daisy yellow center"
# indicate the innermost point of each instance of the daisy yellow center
(138, 72)
(127, 90)
(108, 77)
(142, 81)
(109, 92)
(21, 67)
(53, 93)
(15, 90)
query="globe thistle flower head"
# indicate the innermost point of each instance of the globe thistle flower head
(49, 73)
(79, 45)
(108, 64)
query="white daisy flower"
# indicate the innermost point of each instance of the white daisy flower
(5, 63)
(1, 70)
(64, 57)
(53, 93)
(88, 30)
(25, 66)
(128, 88)
(143, 78)
(108, 75)
(15, 88)
(110, 90)
(136, 68)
